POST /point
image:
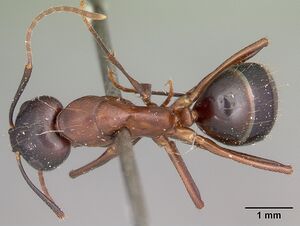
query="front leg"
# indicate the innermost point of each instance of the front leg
(189, 136)
(108, 155)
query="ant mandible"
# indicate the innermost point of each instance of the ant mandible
(235, 104)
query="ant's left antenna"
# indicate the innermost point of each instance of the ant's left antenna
(26, 76)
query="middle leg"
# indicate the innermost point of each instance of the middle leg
(181, 168)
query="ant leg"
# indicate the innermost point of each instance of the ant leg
(116, 84)
(189, 136)
(239, 57)
(181, 168)
(143, 89)
(170, 94)
(109, 154)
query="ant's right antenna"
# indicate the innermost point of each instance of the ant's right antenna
(28, 66)
(23, 83)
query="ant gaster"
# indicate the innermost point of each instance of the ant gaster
(235, 104)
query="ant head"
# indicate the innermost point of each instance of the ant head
(239, 106)
(35, 136)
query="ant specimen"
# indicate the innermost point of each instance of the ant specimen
(235, 104)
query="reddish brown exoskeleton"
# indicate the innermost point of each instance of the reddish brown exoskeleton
(235, 104)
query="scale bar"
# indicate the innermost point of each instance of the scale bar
(269, 207)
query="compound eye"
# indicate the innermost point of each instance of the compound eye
(239, 106)
(35, 135)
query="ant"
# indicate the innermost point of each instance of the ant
(235, 104)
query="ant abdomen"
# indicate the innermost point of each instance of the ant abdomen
(239, 106)
(35, 135)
